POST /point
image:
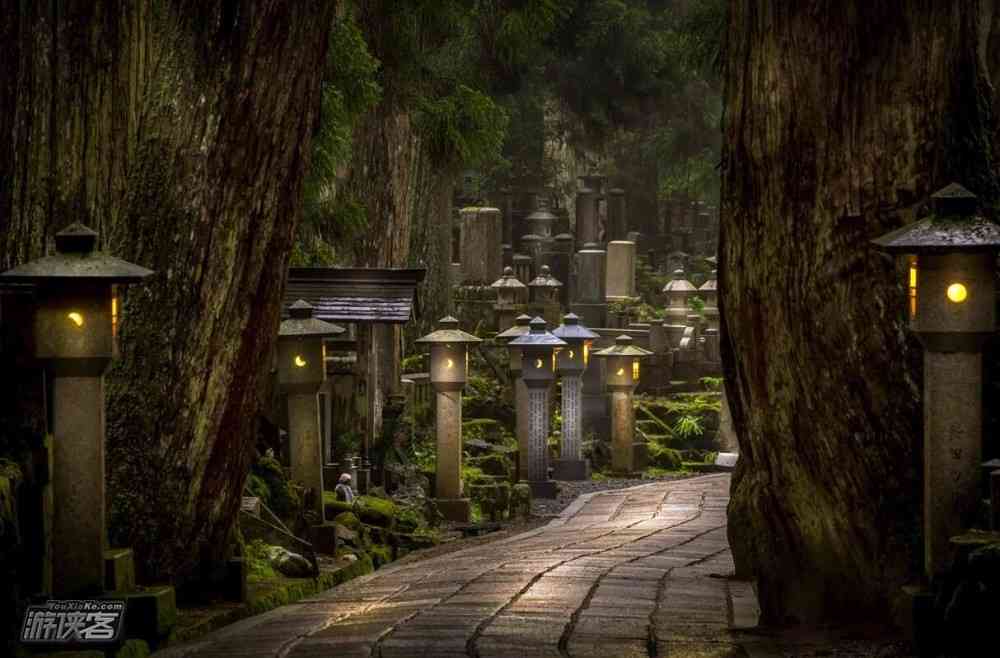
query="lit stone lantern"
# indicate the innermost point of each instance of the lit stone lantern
(510, 291)
(545, 295)
(709, 292)
(522, 325)
(449, 372)
(952, 256)
(679, 292)
(622, 373)
(76, 323)
(538, 357)
(571, 362)
(301, 373)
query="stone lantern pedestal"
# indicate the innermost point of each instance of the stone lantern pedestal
(572, 362)
(622, 373)
(538, 348)
(75, 330)
(521, 327)
(301, 373)
(449, 372)
(952, 310)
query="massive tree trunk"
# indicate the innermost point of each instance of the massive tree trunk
(181, 130)
(839, 115)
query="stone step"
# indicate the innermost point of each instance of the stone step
(119, 569)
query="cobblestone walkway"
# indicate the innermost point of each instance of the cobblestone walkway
(635, 572)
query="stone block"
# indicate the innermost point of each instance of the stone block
(454, 509)
(234, 583)
(544, 488)
(571, 469)
(150, 612)
(119, 570)
(324, 538)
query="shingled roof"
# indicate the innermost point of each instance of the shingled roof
(356, 294)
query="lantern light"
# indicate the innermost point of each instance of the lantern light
(578, 338)
(76, 318)
(449, 347)
(957, 293)
(301, 349)
(623, 360)
(522, 325)
(300, 362)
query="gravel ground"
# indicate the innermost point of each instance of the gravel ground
(568, 492)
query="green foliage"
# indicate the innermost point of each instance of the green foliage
(464, 128)
(256, 561)
(664, 457)
(711, 383)
(688, 427)
(696, 304)
(283, 500)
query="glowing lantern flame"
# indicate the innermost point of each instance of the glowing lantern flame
(76, 318)
(538, 363)
(449, 364)
(957, 293)
(299, 361)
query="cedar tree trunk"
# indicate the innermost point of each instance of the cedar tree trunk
(181, 131)
(839, 116)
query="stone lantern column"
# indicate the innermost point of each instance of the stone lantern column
(538, 348)
(76, 330)
(301, 373)
(622, 371)
(545, 295)
(449, 372)
(952, 311)
(571, 362)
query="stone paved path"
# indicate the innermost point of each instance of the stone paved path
(625, 573)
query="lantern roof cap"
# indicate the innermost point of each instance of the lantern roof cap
(541, 212)
(572, 329)
(507, 280)
(522, 325)
(679, 283)
(538, 337)
(952, 226)
(302, 324)
(76, 258)
(623, 347)
(711, 284)
(563, 237)
(617, 191)
(545, 279)
(592, 247)
(448, 332)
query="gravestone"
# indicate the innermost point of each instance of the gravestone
(620, 275)
(482, 250)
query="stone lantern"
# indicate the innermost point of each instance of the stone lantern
(622, 373)
(538, 356)
(679, 292)
(541, 219)
(301, 373)
(521, 326)
(545, 294)
(571, 363)
(951, 304)
(709, 292)
(76, 323)
(509, 294)
(449, 372)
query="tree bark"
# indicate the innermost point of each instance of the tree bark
(181, 130)
(838, 117)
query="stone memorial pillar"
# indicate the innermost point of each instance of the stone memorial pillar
(617, 221)
(538, 372)
(560, 261)
(586, 217)
(75, 334)
(482, 251)
(620, 276)
(591, 279)
(449, 372)
(952, 301)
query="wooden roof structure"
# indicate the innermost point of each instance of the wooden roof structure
(354, 294)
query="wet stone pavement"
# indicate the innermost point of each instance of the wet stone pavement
(633, 572)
